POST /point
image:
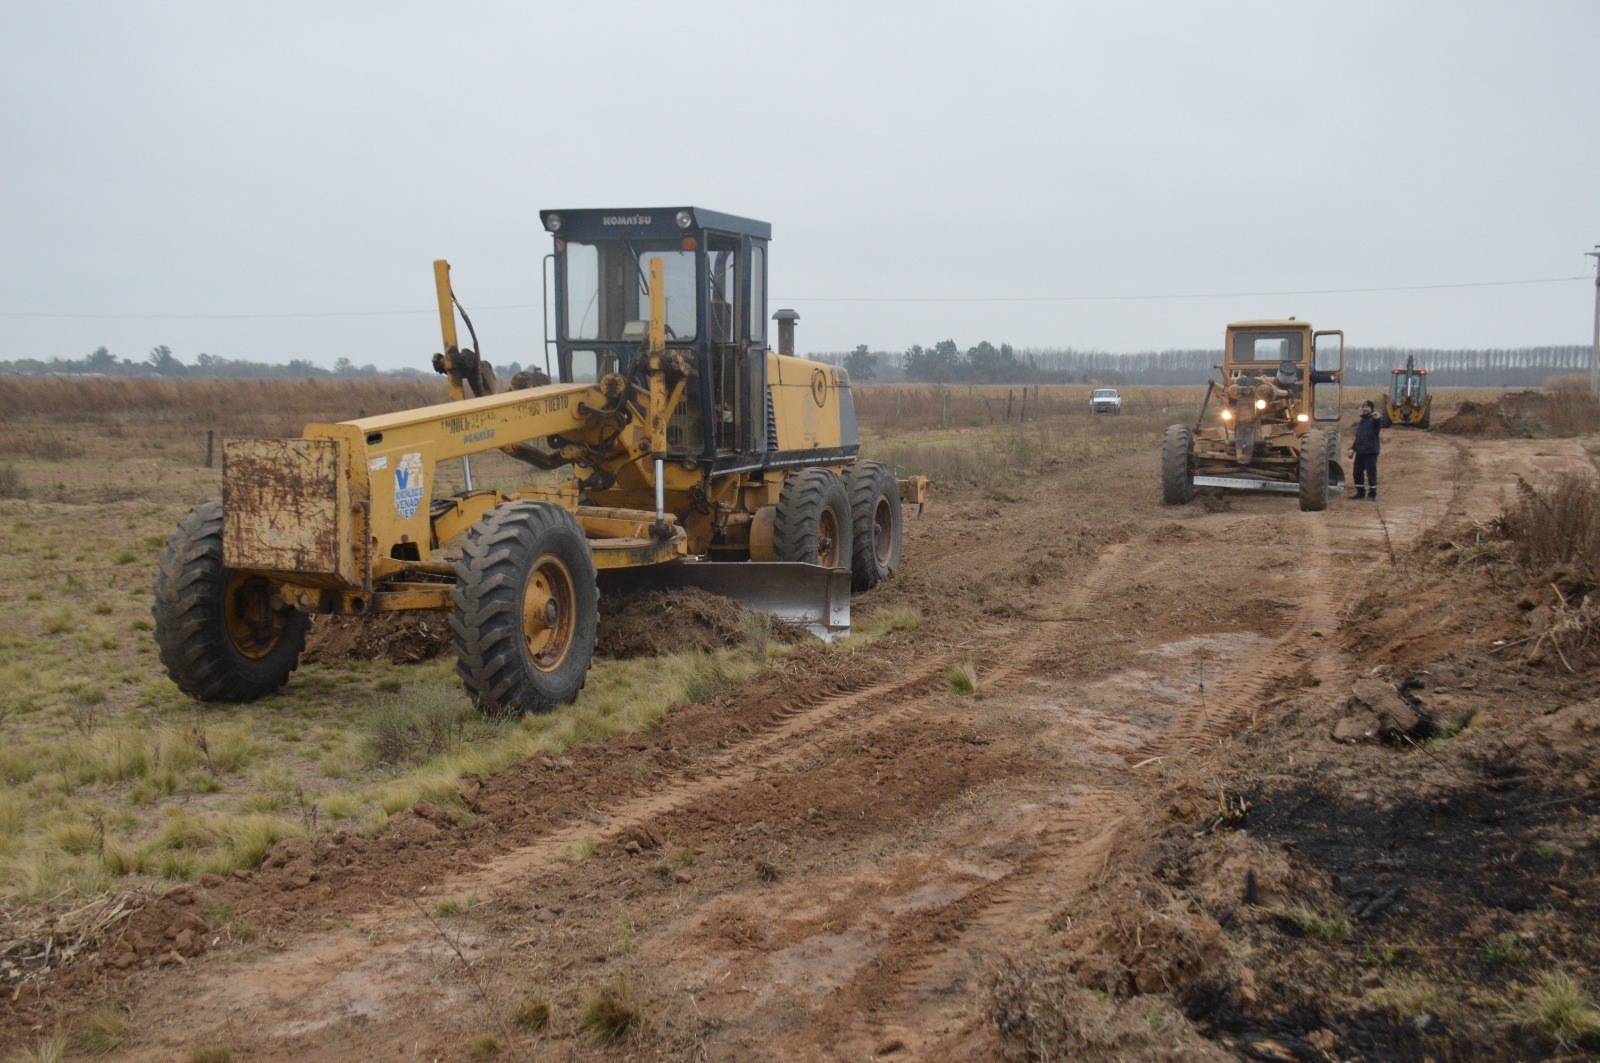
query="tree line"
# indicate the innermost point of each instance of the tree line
(161, 362)
(945, 362)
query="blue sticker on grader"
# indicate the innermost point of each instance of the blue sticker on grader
(408, 484)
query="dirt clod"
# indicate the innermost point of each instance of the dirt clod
(1376, 709)
(399, 638)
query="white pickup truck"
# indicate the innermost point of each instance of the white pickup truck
(1105, 400)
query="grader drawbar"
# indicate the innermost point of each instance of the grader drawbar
(677, 448)
(1275, 420)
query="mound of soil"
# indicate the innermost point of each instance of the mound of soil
(399, 638)
(1525, 415)
(1483, 420)
(645, 625)
(656, 623)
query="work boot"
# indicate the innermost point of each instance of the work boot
(1361, 492)
(1373, 495)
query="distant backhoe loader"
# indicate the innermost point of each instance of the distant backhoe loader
(685, 443)
(1408, 402)
(1276, 419)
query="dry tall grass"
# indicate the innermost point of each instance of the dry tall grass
(962, 436)
(1556, 526)
(172, 407)
(916, 406)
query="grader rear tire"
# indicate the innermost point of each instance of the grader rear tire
(1316, 451)
(526, 609)
(813, 520)
(875, 525)
(220, 636)
(1177, 465)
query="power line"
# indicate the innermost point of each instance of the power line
(1186, 295)
(813, 299)
(253, 317)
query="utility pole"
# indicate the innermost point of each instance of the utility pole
(1594, 343)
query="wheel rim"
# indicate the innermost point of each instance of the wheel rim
(548, 611)
(828, 539)
(882, 532)
(254, 625)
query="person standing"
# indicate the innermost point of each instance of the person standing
(1365, 451)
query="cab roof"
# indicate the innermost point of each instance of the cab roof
(639, 223)
(1268, 324)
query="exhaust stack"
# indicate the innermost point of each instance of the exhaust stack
(786, 320)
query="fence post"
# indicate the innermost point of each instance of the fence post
(946, 422)
(1010, 394)
(899, 398)
(209, 435)
(988, 408)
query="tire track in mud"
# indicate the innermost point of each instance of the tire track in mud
(886, 703)
(905, 993)
(1239, 689)
(316, 986)
(929, 955)
(1308, 647)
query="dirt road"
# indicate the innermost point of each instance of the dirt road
(827, 863)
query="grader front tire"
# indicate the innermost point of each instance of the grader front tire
(813, 520)
(220, 635)
(875, 524)
(1177, 465)
(525, 609)
(1316, 451)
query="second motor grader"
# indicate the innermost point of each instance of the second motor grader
(1274, 418)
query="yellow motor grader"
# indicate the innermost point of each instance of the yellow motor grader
(677, 448)
(1276, 425)
(1408, 402)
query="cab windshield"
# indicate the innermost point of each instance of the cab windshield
(1267, 347)
(1408, 385)
(608, 288)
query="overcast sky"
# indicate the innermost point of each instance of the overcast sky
(169, 167)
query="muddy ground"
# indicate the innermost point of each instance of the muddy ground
(1109, 852)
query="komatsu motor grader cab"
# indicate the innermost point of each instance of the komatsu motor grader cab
(1275, 418)
(678, 450)
(1408, 402)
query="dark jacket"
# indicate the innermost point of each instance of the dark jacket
(1367, 430)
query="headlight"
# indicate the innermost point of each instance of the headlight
(1261, 404)
(685, 219)
(552, 222)
(1227, 415)
(1302, 418)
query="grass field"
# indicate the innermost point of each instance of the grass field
(112, 776)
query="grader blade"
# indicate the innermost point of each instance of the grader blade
(1247, 483)
(816, 598)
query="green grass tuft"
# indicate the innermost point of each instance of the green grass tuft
(963, 679)
(105, 1029)
(1333, 927)
(532, 1013)
(609, 1015)
(484, 1046)
(1507, 950)
(1557, 1008)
